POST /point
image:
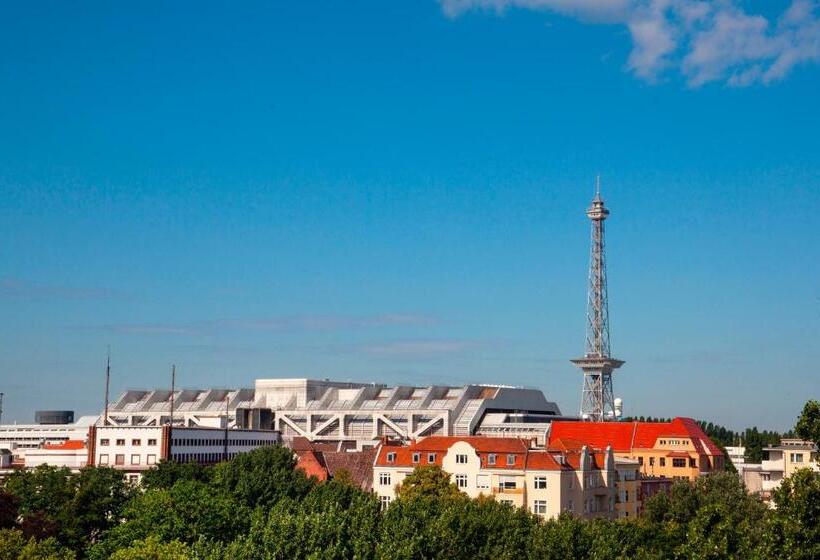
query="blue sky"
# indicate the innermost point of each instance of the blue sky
(395, 192)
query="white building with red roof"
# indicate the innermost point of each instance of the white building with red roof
(511, 470)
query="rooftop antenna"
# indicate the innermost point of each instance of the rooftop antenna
(1, 406)
(173, 388)
(107, 384)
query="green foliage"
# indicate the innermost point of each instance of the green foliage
(168, 473)
(428, 481)
(153, 549)
(794, 527)
(15, 546)
(185, 512)
(9, 509)
(262, 477)
(43, 489)
(808, 424)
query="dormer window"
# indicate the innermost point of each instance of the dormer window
(431, 457)
(510, 460)
(391, 457)
(491, 458)
(416, 457)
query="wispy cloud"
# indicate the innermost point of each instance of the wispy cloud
(13, 288)
(419, 348)
(704, 41)
(283, 324)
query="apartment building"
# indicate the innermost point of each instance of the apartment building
(676, 449)
(781, 461)
(509, 469)
(134, 449)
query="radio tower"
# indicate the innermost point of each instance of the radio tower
(597, 398)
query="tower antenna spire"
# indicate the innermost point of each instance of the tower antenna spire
(107, 384)
(597, 398)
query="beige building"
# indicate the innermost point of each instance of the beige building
(510, 470)
(781, 461)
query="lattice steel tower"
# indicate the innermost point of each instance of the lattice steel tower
(597, 399)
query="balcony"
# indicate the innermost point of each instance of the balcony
(497, 490)
(773, 466)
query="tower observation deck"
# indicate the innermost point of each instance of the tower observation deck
(597, 398)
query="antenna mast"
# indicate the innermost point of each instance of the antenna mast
(107, 383)
(173, 388)
(1, 406)
(597, 398)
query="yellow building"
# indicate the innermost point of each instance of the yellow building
(675, 449)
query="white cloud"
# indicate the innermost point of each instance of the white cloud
(714, 41)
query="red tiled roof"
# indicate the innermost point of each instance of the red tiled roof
(626, 436)
(310, 463)
(439, 445)
(66, 445)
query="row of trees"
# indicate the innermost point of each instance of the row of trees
(259, 506)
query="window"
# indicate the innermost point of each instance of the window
(693, 462)
(133, 479)
(796, 457)
(663, 461)
(510, 460)
(482, 481)
(152, 442)
(103, 459)
(678, 462)
(120, 442)
(431, 457)
(461, 480)
(384, 501)
(539, 507)
(570, 506)
(640, 461)
(626, 495)
(508, 502)
(506, 485)
(491, 458)
(119, 459)
(461, 459)
(104, 441)
(391, 457)
(152, 460)
(384, 479)
(540, 482)
(136, 442)
(416, 457)
(135, 459)
(651, 461)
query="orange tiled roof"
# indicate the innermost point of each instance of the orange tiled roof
(626, 436)
(439, 445)
(66, 445)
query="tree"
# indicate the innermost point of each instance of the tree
(794, 527)
(262, 477)
(185, 512)
(9, 509)
(100, 495)
(808, 424)
(44, 489)
(153, 549)
(428, 482)
(15, 546)
(167, 473)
